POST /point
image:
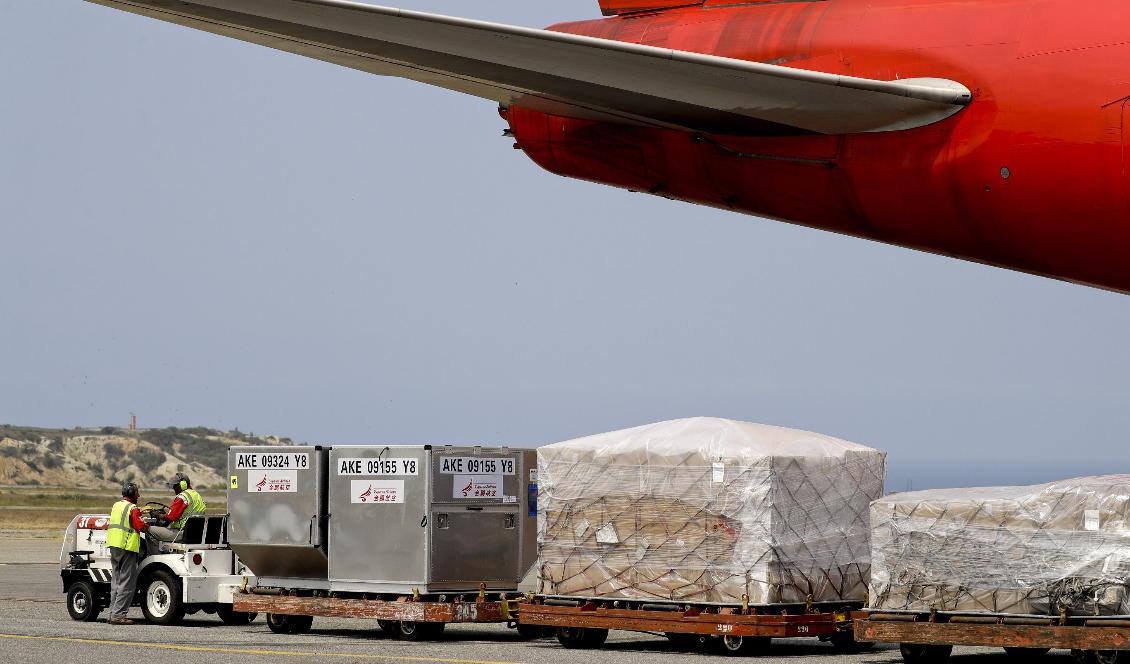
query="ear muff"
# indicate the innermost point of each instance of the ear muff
(183, 485)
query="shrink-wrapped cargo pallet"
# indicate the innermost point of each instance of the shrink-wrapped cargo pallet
(1015, 550)
(707, 510)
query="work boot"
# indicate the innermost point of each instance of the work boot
(120, 621)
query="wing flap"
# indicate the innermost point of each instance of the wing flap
(569, 74)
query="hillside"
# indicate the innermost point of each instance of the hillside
(97, 457)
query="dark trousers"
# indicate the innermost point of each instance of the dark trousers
(123, 581)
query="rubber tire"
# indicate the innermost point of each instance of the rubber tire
(1108, 656)
(390, 627)
(284, 624)
(581, 638)
(1024, 654)
(845, 642)
(1083, 656)
(419, 631)
(84, 593)
(924, 654)
(683, 641)
(175, 613)
(743, 646)
(530, 632)
(225, 613)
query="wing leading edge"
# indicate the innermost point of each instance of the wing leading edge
(568, 74)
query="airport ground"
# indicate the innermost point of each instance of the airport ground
(35, 629)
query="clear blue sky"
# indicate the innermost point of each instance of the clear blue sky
(206, 232)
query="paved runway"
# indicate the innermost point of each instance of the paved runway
(35, 628)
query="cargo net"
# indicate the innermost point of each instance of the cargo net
(781, 530)
(1033, 550)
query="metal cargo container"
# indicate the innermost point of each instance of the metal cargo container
(432, 519)
(277, 505)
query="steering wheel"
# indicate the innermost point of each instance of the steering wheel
(152, 506)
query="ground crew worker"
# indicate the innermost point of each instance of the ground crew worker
(188, 503)
(124, 539)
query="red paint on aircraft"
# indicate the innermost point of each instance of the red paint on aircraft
(1030, 176)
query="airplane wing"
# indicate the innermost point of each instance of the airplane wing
(567, 74)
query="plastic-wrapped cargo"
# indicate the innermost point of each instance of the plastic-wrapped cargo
(706, 510)
(1032, 550)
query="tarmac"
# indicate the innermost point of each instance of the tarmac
(35, 627)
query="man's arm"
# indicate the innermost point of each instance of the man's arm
(176, 509)
(135, 520)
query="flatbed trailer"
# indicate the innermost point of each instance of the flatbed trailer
(736, 630)
(931, 637)
(409, 617)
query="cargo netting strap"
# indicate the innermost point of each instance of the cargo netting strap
(1036, 550)
(778, 530)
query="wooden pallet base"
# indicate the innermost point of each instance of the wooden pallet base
(410, 611)
(726, 622)
(1071, 637)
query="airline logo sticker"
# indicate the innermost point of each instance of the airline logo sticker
(100, 522)
(376, 492)
(477, 486)
(272, 481)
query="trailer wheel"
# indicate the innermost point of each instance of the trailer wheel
(283, 624)
(161, 598)
(234, 617)
(845, 642)
(531, 632)
(81, 602)
(683, 641)
(1026, 653)
(390, 627)
(744, 645)
(581, 637)
(408, 630)
(924, 654)
(1108, 656)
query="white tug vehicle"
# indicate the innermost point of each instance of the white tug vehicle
(198, 572)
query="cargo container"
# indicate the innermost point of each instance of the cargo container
(277, 513)
(414, 536)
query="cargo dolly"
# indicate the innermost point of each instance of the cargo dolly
(930, 637)
(413, 617)
(734, 630)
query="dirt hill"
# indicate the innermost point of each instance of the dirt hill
(95, 457)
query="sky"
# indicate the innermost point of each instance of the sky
(206, 232)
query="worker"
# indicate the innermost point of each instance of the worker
(124, 539)
(187, 503)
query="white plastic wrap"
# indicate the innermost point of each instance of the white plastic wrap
(707, 510)
(1016, 550)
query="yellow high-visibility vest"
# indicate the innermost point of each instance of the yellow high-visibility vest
(194, 505)
(121, 534)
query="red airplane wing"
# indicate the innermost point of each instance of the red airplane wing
(567, 74)
(617, 7)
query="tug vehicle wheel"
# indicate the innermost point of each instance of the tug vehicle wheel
(81, 602)
(161, 598)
